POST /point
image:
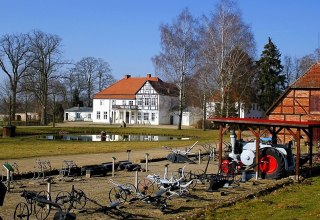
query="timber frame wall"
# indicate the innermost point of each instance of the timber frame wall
(300, 103)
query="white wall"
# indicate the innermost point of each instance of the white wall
(254, 112)
(84, 116)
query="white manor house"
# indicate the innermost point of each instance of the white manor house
(136, 100)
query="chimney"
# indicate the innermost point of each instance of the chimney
(148, 75)
(127, 76)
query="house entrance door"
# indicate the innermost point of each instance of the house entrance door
(127, 117)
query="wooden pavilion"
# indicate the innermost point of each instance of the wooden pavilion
(259, 127)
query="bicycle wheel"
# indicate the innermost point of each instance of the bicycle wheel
(79, 199)
(146, 187)
(21, 212)
(63, 199)
(130, 190)
(117, 195)
(41, 209)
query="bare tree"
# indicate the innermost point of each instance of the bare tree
(90, 72)
(85, 71)
(177, 60)
(14, 62)
(288, 69)
(226, 43)
(55, 95)
(46, 53)
(104, 76)
(306, 62)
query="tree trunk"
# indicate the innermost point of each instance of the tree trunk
(204, 112)
(180, 109)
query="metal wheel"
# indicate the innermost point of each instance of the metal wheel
(41, 209)
(130, 191)
(79, 199)
(145, 187)
(117, 195)
(21, 212)
(63, 199)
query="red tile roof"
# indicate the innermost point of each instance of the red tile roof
(128, 87)
(309, 80)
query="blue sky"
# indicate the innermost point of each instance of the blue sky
(125, 33)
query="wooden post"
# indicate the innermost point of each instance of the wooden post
(147, 155)
(310, 150)
(128, 154)
(257, 135)
(296, 137)
(220, 144)
(298, 154)
(136, 180)
(165, 171)
(113, 165)
(257, 153)
(199, 156)
(239, 133)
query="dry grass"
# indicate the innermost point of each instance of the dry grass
(97, 188)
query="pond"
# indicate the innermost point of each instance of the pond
(110, 137)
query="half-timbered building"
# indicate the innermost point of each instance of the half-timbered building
(300, 102)
(136, 100)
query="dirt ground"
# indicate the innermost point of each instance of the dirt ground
(97, 188)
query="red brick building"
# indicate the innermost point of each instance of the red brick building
(300, 102)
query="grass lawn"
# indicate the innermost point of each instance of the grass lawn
(26, 144)
(297, 201)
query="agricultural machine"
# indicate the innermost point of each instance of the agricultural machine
(275, 160)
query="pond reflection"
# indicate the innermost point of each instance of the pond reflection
(110, 137)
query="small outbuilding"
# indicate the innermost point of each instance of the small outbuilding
(78, 114)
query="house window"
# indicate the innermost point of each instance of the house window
(153, 102)
(123, 102)
(89, 116)
(132, 116)
(98, 114)
(101, 102)
(130, 102)
(140, 102)
(314, 103)
(105, 115)
(113, 102)
(146, 101)
(146, 116)
(77, 115)
(139, 115)
(153, 116)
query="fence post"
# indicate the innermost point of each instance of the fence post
(147, 155)
(128, 154)
(136, 180)
(113, 166)
(165, 171)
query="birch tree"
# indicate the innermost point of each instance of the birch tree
(177, 60)
(226, 42)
